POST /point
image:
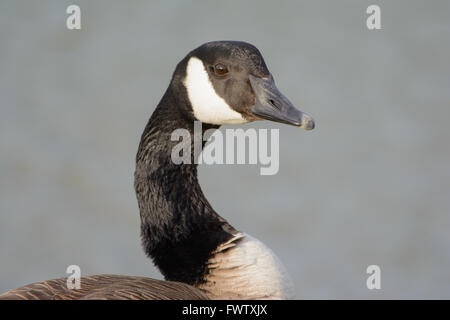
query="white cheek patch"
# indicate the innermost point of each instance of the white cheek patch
(207, 105)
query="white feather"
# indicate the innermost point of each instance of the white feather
(207, 105)
(244, 268)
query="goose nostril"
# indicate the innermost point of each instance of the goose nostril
(274, 103)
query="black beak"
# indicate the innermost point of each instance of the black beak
(272, 105)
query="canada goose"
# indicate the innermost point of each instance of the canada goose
(199, 253)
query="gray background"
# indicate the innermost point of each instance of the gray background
(370, 185)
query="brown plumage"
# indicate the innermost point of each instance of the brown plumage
(106, 287)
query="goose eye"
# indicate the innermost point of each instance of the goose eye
(220, 69)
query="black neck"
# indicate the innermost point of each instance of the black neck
(179, 228)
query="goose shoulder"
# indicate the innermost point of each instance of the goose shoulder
(107, 287)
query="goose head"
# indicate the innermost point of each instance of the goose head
(228, 82)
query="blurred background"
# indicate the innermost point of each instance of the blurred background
(370, 185)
